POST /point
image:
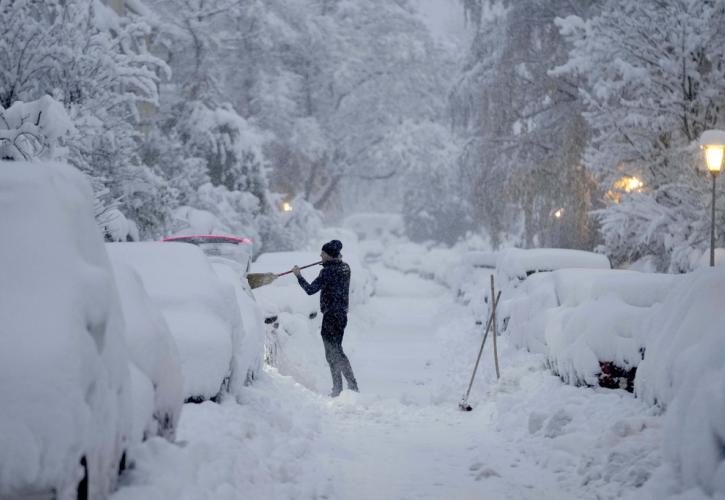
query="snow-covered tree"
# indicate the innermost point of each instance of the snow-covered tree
(94, 62)
(653, 80)
(523, 127)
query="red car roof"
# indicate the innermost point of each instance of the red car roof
(217, 237)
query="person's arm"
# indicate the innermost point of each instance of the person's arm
(310, 288)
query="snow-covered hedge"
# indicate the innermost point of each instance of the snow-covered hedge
(684, 371)
(199, 308)
(64, 372)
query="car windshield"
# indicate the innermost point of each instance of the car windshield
(238, 250)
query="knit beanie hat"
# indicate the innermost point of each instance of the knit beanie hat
(332, 248)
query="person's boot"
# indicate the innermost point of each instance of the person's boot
(335, 392)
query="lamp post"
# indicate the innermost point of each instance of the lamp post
(713, 142)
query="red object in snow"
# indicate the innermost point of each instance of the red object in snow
(208, 238)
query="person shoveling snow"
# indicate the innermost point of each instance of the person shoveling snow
(334, 284)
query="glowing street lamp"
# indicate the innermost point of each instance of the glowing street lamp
(558, 213)
(713, 142)
(286, 206)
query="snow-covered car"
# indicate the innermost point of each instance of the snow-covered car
(232, 248)
(155, 363)
(231, 258)
(515, 265)
(200, 309)
(586, 321)
(285, 294)
(65, 423)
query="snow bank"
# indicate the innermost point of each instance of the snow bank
(64, 380)
(199, 308)
(684, 370)
(427, 261)
(376, 226)
(153, 351)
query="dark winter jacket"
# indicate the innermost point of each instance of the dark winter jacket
(334, 281)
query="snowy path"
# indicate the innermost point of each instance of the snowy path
(403, 437)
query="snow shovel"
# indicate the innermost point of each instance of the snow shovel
(260, 279)
(463, 405)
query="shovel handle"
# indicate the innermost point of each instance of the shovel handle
(303, 267)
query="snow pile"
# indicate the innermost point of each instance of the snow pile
(199, 308)
(154, 352)
(428, 261)
(684, 370)
(64, 382)
(270, 446)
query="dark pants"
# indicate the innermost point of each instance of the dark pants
(333, 328)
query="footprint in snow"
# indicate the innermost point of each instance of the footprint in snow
(482, 473)
(486, 474)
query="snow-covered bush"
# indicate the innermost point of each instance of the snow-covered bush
(64, 380)
(200, 309)
(34, 129)
(684, 371)
(153, 351)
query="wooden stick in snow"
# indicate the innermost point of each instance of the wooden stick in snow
(493, 316)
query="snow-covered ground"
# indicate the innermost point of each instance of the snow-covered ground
(403, 437)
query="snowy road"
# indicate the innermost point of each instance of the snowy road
(403, 437)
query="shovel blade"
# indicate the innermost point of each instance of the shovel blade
(464, 406)
(256, 280)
